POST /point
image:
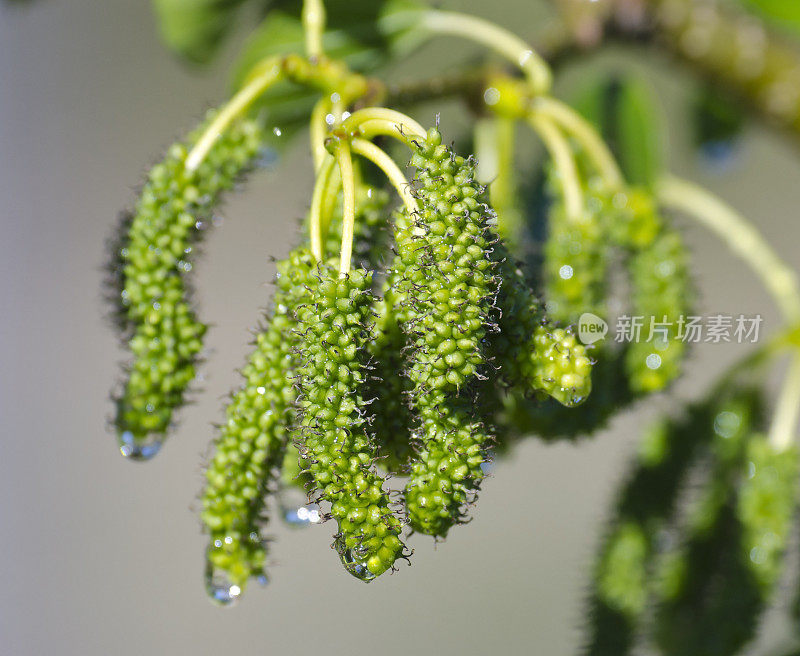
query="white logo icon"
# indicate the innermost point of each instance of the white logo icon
(591, 328)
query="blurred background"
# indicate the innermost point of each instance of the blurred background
(103, 556)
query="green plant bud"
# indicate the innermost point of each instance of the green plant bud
(252, 442)
(661, 290)
(156, 316)
(647, 504)
(335, 449)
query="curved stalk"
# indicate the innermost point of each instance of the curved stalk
(390, 169)
(234, 108)
(787, 409)
(560, 152)
(583, 132)
(315, 213)
(740, 236)
(779, 280)
(317, 132)
(313, 26)
(372, 121)
(503, 42)
(345, 162)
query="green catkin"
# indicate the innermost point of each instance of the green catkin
(660, 288)
(252, 441)
(575, 266)
(714, 587)
(765, 507)
(164, 335)
(389, 390)
(335, 448)
(646, 505)
(531, 354)
(444, 284)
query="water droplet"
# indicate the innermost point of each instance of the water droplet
(296, 511)
(345, 115)
(491, 96)
(276, 131)
(757, 555)
(330, 119)
(219, 588)
(653, 361)
(726, 424)
(139, 449)
(354, 562)
(565, 272)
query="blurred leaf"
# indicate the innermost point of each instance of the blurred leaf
(785, 13)
(364, 33)
(624, 110)
(194, 29)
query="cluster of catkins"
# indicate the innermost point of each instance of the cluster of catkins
(429, 356)
(395, 369)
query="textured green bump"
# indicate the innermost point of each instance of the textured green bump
(661, 292)
(252, 441)
(157, 318)
(443, 286)
(332, 438)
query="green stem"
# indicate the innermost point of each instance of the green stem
(313, 18)
(560, 152)
(586, 135)
(740, 236)
(779, 280)
(345, 162)
(505, 43)
(787, 409)
(318, 130)
(269, 73)
(390, 169)
(373, 121)
(315, 226)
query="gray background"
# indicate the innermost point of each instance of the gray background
(102, 556)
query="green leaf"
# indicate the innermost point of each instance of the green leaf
(623, 109)
(364, 33)
(194, 29)
(785, 13)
